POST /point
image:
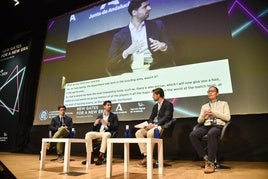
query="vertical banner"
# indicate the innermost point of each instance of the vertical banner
(13, 62)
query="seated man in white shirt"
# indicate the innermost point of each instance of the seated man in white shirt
(103, 127)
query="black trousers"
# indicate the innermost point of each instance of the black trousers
(213, 133)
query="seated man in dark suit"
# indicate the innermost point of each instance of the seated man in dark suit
(162, 113)
(103, 127)
(61, 127)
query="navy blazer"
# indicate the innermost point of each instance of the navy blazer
(122, 40)
(113, 121)
(55, 123)
(165, 113)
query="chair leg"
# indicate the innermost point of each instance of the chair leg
(92, 158)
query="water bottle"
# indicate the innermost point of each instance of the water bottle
(72, 133)
(127, 132)
(156, 132)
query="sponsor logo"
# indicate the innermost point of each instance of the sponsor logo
(139, 109)
(119, 109)
(3, 73)
(43, 115)
(4, 138)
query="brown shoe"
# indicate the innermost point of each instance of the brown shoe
(99, 161)
(209, 168)
(143, 162)
(206, 160)
(47, 145)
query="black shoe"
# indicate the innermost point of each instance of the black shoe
(104, 160)
(143, 162)
(85, 162)
(99, 161)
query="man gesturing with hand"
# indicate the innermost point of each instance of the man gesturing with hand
(141, 39)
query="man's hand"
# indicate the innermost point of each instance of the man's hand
(61, 127)
(134, 47)
(97, 121)
(104, 122)
(209, 113)
(156, 45)
(150, 126)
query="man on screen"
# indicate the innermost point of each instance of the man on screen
(60, 126)
(162, 113)
(140, 46)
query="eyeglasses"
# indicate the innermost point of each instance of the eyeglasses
(211, 91)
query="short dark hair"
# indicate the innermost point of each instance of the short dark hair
(159, 91)
(217, 90)
(107, 101)
(134, 5)
(61, 106)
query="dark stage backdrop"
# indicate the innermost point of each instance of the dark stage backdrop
(13, 66)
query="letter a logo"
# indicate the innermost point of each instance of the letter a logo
(119, 108)
(72, 18)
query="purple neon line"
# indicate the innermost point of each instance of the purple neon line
(50, 25)
(173, 100)
(54, 58)
(16, 69)
(250, 14)
(231, 8)
(18, 87)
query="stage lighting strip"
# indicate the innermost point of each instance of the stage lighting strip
(63, 52)
(55, 57)
(51, 24)
(246, 10)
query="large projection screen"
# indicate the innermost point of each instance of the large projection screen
(74, 67)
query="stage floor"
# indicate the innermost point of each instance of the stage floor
(26, 166)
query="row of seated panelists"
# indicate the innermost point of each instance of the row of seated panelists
(166, 133)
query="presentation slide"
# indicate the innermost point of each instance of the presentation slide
(135, 87)
(83, 62)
